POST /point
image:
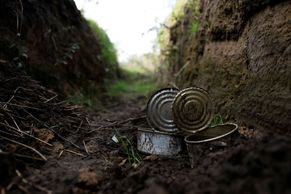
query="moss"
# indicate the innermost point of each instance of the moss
(194, 27)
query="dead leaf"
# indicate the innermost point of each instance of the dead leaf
(58, 147)
(43, 134)
(122, 162)
(249, 133)
(151, 158)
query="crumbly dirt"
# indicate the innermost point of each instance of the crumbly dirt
(241, 55)
(254, 162)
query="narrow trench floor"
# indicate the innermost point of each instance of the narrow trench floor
(256, 162)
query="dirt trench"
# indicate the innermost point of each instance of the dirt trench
(255, 162)
(75, 153)
(81, 156)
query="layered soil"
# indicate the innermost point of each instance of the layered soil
(52, 41)
(241, 55)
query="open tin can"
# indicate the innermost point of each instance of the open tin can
(209, 140)
(158, 143)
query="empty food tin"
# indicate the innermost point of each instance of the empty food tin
(159, 112)
(208, 140)
(192, 109)
(158, 143)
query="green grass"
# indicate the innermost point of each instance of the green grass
(108, 51)
(217, 120)
(194, 27)
(125, 87)
(128, 149)
(134, 83)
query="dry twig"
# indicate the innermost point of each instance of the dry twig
(21, 144)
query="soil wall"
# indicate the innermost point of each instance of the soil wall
(52, 41)
(240, 53)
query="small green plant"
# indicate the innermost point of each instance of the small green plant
(127, 148)
(217, 120)
(207, 24)
(194, 27)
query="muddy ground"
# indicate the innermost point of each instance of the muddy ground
(254, 162)
(49, 146)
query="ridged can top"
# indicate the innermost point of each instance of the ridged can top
(192, 109)
(159, 112)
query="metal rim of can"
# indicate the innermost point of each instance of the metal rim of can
(188, 101)
(151, 130)
(235, 127)
(160, 100)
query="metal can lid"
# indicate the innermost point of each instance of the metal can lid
(192, 109)
(212, 133)
(159, 111)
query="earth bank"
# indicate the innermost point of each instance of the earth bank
(240, 53)
(53, 42)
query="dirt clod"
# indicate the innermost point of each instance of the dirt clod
(89, 177)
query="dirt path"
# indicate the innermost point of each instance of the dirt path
(254, 163)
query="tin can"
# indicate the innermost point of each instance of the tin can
(160, 143)
(209, 140)
(159, 110)
(192, 109)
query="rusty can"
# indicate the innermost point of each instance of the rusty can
(209, 140)
(159, 112)
(160, 143)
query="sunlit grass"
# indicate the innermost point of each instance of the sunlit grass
(125, 87)
(134, 82)
(108, 53)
